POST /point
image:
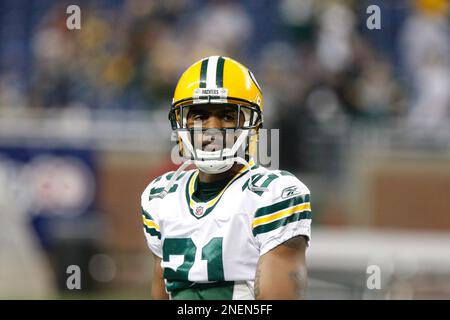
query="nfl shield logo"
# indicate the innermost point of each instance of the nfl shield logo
(199, 211)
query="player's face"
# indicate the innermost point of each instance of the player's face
(210, 117)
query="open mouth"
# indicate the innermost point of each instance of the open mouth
(212, 146)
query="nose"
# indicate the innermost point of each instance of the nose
(213, 122)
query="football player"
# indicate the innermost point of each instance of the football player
(229, 229)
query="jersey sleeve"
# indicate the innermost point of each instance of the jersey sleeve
(149, 210)
(285, 212)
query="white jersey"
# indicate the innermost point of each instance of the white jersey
(217, 244)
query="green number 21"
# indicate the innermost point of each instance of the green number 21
(212, 253)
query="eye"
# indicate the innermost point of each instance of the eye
(199, 116)
(229, 117)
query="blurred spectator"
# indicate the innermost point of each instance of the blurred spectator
(319, 68)
(425, 45)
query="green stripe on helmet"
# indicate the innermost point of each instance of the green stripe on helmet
(219, 72)
(203, 69)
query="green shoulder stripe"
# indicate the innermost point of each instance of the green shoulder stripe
(152, 232)
(281, 222)
(281, 205)
(146, 214)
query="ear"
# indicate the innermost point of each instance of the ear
(254, 132)
(180, 147)
(252, 142)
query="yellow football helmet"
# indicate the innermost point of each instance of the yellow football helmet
(218, 80)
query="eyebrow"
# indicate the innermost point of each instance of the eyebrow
(205, 111)
(195, 112)
(198, 111)
(226, 111)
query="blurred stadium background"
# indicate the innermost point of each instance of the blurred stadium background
(364, 119)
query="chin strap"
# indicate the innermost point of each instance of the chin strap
(172, 180)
